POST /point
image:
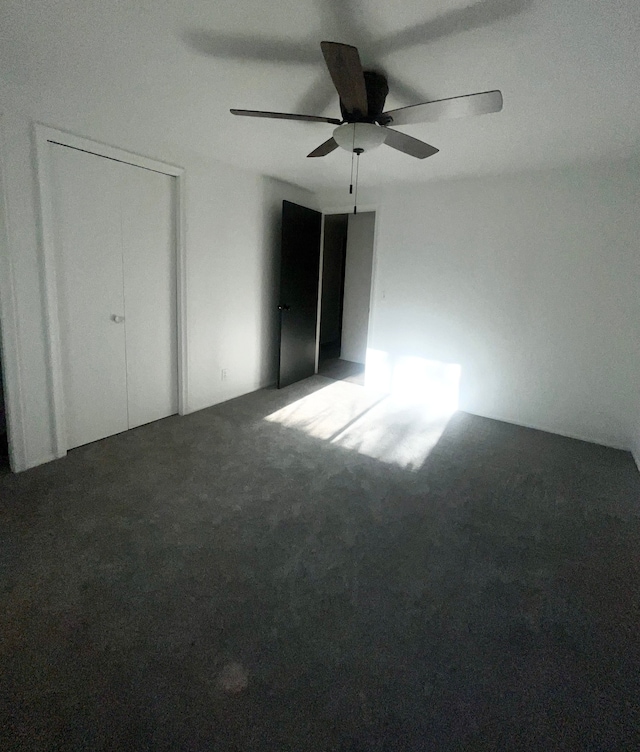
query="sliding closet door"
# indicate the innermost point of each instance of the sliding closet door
(90, 293)
(148, 237)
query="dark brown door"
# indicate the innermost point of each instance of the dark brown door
(299, 274)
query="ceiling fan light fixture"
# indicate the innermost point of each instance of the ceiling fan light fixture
(359, 136)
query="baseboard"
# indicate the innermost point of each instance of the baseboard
(536, 427)
(31, 463)
(230, 394)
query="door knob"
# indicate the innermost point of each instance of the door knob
(117, 319)
(284, 307)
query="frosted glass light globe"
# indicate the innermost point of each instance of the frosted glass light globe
(365, 136)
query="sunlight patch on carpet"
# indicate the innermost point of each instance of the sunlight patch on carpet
(398, 417)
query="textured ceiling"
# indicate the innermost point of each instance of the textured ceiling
(568, 70)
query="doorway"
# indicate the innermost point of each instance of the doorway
(346, 295)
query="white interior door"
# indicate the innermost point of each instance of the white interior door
(357, 286)
(116, 273)
(90, 294)
(148, 237)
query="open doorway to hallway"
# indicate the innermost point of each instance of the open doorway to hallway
(346, 294)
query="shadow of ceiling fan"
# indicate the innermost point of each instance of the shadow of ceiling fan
(345, 20)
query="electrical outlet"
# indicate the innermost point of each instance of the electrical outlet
(223, 374)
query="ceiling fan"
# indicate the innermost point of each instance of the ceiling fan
(364, 125)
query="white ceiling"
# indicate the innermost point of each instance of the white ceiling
(568, 70)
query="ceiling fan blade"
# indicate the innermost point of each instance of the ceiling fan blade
(286, 116)
(343, 62)
(408, 144)
(443, 109)
(326, 148)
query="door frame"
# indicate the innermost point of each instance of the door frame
(45, 135)
(348, 209)
(10, 344)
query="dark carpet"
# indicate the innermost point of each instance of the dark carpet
(222, 582)
(344, 370)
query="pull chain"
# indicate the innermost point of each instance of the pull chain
(357, 152)
(351, 180)
(353, 145)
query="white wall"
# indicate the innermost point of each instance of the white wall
(357, 286)
(531, 283)
(232, 239)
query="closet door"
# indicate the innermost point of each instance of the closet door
(149, 255)
(116, 276)
(89, 274)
